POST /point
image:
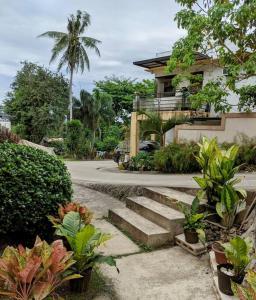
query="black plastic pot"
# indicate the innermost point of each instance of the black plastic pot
(80, 285)
(224, 280)
(191, 236)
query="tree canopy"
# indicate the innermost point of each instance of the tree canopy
(123, 90)
(226, 30)
(38, 102)
(94, 110)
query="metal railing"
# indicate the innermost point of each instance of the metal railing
(161, 104)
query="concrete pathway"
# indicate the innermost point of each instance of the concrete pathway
(168, 274)
(107, 172)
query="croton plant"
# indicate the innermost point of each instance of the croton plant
(85, 214)
(35, 273)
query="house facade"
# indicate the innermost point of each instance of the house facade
(172, 101)
(4, 120)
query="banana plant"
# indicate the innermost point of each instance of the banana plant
(84, 242)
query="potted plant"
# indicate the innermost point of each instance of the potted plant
(231, 202)
(35, 273)
(193, 225)
(84, 242)
(219, 185)
(238, 253)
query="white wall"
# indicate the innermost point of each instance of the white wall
(212, 72)
(6, 124)
(233, 125)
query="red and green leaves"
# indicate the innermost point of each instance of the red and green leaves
(27, 274)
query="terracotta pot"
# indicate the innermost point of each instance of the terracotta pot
(220, 256)
(80, 285)
(224, 280)
(191, 236)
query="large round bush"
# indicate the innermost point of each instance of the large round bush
(32, 185)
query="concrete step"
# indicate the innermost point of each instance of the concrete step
(139, 228)
(168, 196)
(158, 213)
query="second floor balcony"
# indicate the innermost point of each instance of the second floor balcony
(176, 100)
(166, 101)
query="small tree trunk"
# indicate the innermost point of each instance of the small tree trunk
(161, 140)
(71, 95)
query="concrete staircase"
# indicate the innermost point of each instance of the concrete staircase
(153, 219)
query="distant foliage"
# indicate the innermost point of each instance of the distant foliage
(33, 184)
(123, 90)
(75, 139)
(38, 102)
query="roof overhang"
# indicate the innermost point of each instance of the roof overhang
(162, 61)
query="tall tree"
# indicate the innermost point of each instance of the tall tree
(38, 102)
(72, 46)
(226, 30)
(122, 91)
(94, 110)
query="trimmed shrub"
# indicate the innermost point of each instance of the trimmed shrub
(177, 158)
(32, 185)
(143, 161)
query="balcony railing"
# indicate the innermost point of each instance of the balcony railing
(161, 104)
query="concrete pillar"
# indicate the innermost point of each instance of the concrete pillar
(153, 137)
(134, 138)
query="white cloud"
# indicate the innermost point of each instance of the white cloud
(129, 31)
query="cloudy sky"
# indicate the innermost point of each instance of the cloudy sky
(130, 30)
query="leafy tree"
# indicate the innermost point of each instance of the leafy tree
(38, 102)
(111, 136)
(75, 139)
(154, 124)
(94, 110)
(225, 29)
(72, 47)
(122, 91)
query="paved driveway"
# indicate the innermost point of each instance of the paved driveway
(107, 172)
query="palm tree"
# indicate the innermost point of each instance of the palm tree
(72, 47)
(93, 110)
(154, 124)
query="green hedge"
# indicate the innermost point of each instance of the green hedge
(143, 161)
(32, 185)
(177, 158)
